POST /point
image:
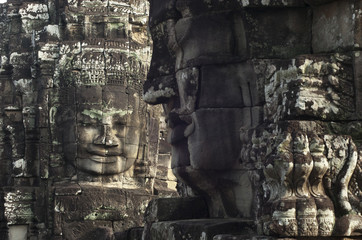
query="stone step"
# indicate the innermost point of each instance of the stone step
(203, 229)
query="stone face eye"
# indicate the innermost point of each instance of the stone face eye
(86, 120)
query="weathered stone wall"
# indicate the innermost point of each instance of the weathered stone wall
(263, 102)
(79, 148)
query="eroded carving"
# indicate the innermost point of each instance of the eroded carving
(79, 147)
(242, 97)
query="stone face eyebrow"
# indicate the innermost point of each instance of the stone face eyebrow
(99, 114)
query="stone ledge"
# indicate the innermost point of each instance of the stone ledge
(204, 229)
(169, 209)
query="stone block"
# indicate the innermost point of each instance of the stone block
(117, 97)
(62, 98)
(278, 33)
(44, 150)
(272, 3)
(134, 234)
(229, 86)
(358, 24)
(357, 63)
(101, 230)
(170, 209)
(92, 206)
(210, 39)
(162, 172)
(52, 32)
(200, 229)
(164, 189)
(161, 55)
(179, 151)
(93, 66)
(164, 147)
(94, 30)
(314, 87)
(117, 69)
(317, 2)
(264, 70)
(74, 32)
(212, 130)
(121, 227)
(196, 8)
(43, 112)
(245, 237)
(47, 68)
(162, 10)
(153, 130)
(48, 53)
(34, 16)
(19, 232)
(333, 27)
(19, 206)
(164, 160)
(188, 82)
(15, 22)
(228, 193)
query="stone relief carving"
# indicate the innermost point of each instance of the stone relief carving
(80, 148)
(260, 106)
(262, 101)
(105, 117)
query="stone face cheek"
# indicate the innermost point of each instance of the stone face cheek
(212, 144)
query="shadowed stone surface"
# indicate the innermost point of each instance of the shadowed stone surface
(263, 107)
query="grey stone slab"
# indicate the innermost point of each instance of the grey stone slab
(199, 229)
(215, 129)
(278, 33)
(333, 28)
(210, 39)
(171, 209)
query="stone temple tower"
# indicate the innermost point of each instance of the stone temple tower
(81, 153)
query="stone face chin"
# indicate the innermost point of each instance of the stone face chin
(104, 165)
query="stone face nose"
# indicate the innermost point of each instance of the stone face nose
(105, 137)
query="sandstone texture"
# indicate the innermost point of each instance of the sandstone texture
(81, 153)
(263, 104)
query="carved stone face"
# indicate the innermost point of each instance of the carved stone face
(104, 127)
(107, 134)
(203, 71)
(106, 144)
(207, 104)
